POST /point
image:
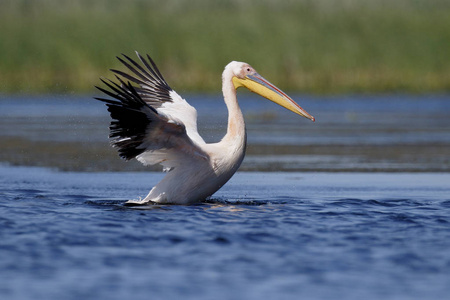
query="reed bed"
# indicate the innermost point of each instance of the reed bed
(322, 46)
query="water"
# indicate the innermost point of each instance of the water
(352, 133)
(306, 231)
(263, 236)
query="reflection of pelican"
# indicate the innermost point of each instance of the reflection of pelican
(153, 124)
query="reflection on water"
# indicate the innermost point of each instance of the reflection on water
(352, 133)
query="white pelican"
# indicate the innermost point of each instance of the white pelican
(152, 123)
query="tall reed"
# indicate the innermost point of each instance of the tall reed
(322, 46)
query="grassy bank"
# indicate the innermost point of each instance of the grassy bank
(323, 46)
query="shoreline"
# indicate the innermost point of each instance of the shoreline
(100, 157)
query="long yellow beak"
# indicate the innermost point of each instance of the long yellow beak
(257, 84)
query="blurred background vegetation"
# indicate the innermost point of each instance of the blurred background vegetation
(312, 46)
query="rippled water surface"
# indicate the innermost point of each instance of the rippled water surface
(263, 236)
(353, 206)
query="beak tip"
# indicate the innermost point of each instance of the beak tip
(313, 119)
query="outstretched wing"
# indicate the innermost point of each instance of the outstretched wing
(155, 91)
(150, 122)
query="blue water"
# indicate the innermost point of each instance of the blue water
(295, 235)
(353, 120)
(302, 234)
(351, 133)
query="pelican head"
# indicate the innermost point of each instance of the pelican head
(244, 75)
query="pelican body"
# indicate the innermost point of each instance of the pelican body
(152, 123)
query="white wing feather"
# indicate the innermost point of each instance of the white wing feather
(179, 111)
(170, 136)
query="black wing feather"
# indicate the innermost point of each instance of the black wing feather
(131, 117)
(142, 71)
(133, 109)
(156, 69)
(153, 88)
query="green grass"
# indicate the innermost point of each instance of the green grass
(321, 46)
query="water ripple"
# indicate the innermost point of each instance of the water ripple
(61, 232)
